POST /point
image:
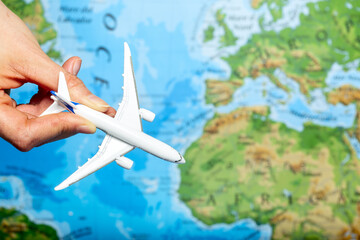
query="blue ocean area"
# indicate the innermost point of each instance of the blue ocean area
(333, 116)
(339, 77)
(6, 191)
(113, 202)
(293, 108)
(355, 144)
(143, 203)
(170, 69)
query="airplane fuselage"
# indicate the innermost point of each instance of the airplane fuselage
(131, 136)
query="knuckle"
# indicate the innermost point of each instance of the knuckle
(7, 100)
(24, 141)
(23, 144)
(23, 148)
(74, 82)
(65, 122)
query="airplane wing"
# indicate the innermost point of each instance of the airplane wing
(128, 112)
(111, 148)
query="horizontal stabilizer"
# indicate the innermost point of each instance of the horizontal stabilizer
(56, 107)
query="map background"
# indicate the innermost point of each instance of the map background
(143, 202)
(171, 65)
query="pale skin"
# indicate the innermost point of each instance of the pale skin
(22, 61)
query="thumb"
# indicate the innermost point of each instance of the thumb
(72, 65)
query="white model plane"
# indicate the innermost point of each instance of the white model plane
(124, 131)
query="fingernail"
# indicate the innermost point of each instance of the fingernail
(112, 114)
(87, 128)
(98, 102)
(76, 67)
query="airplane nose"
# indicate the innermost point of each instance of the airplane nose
(182, 160)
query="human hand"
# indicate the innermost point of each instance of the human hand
(22, 61)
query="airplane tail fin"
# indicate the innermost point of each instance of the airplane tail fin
(62, 87)
(56, 107)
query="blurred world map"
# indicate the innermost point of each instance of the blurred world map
(262, 97)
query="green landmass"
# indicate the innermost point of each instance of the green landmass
(15, 225)
(275, 7)
(209, 34)
(32, 14)
(248, 166)
(305, 184)
(329, 34)
(228, 39)
(220, 92)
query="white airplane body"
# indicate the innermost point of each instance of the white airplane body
(124, 131)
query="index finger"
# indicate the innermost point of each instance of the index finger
(41, 70)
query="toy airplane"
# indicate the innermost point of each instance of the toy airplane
(124, 131)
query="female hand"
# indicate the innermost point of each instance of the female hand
(21, 61)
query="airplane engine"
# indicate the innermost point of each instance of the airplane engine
(124, 162)
(147, 115)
